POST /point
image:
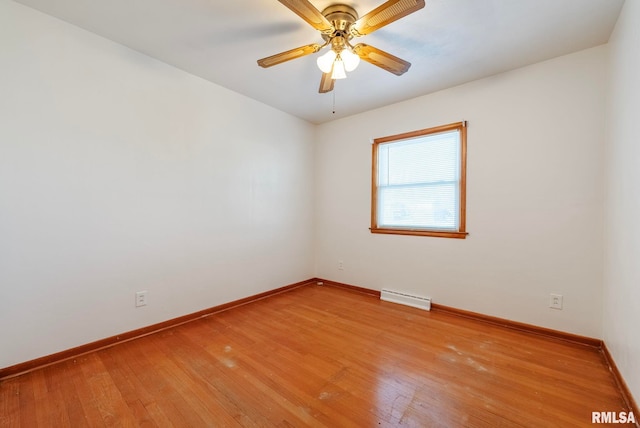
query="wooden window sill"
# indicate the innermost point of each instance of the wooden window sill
(420, 232)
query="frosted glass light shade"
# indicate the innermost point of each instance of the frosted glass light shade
(325, 62)
(350, 60)
(338, 69)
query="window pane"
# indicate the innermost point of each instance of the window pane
(419, 206)
(431, 158)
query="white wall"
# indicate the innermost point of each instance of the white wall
(534, 207)
(120, 173)
(622, 230)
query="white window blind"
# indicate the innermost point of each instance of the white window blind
(418, 182)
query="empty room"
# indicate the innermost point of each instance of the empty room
(317, 213)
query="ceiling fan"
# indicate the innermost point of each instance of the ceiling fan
(338, 24)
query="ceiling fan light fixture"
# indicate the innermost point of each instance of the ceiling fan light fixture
(338, 69)
(325, 62)
(338, 24)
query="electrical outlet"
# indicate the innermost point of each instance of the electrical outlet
(555, 301)
(141, 298)
(340, 265)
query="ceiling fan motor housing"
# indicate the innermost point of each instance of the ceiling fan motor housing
(341, 17)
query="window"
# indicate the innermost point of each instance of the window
(419, 182)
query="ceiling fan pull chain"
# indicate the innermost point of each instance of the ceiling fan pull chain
(334, 101)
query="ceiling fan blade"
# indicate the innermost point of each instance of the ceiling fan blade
(288, 55)
(305, 10)
(382, 59)
(383, 15)
(326, 83)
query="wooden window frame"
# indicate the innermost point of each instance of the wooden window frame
(461, 233)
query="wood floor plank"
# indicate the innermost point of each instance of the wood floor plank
(131, 390)
(45, 405)
(153, 391)
(325, 357)
(11, 401)
(63, 380)
(209, 380)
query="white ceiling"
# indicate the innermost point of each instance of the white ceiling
(449, 42)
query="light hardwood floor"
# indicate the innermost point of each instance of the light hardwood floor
(321, 356)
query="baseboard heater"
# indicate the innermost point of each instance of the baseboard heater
(406, 299)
